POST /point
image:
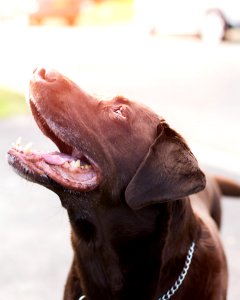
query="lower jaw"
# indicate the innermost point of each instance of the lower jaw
(34, 168)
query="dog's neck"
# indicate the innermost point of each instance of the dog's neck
(183, 230)
(114, 249)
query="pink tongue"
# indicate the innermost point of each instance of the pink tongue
(56, 158)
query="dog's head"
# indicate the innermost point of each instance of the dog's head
(117, 148)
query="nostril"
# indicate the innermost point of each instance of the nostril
(47, 75)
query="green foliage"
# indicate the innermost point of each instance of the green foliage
(11, 103)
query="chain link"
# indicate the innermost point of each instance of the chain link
(180, 279)
(182, 276)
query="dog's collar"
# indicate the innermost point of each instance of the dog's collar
(180, 279)
(182, 276)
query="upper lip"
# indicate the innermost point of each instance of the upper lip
(42, 123)
(63, 146)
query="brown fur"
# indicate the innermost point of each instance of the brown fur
(131, 234)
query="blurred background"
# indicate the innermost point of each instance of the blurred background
(180, 57)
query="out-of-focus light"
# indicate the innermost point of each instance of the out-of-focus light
(12, 8)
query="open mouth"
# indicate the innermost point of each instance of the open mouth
(69, 167)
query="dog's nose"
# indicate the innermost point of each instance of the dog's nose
(48, 75)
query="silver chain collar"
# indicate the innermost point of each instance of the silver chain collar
(182, 276)
(180, 279)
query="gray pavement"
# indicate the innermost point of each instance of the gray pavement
(35, 238)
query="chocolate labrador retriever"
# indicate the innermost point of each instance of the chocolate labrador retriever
(125, 178)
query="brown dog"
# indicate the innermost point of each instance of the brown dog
(125, 178)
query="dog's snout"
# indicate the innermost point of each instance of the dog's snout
(45, 74)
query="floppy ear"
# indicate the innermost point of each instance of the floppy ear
(169, 172)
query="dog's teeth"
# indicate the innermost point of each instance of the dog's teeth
(18, 141)
(73, 164)
(77, 163)
(19, 148)
(17, 144)
(28, 147)
(85, 167)
(66, 165)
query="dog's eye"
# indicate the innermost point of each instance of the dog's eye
(119, 112)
